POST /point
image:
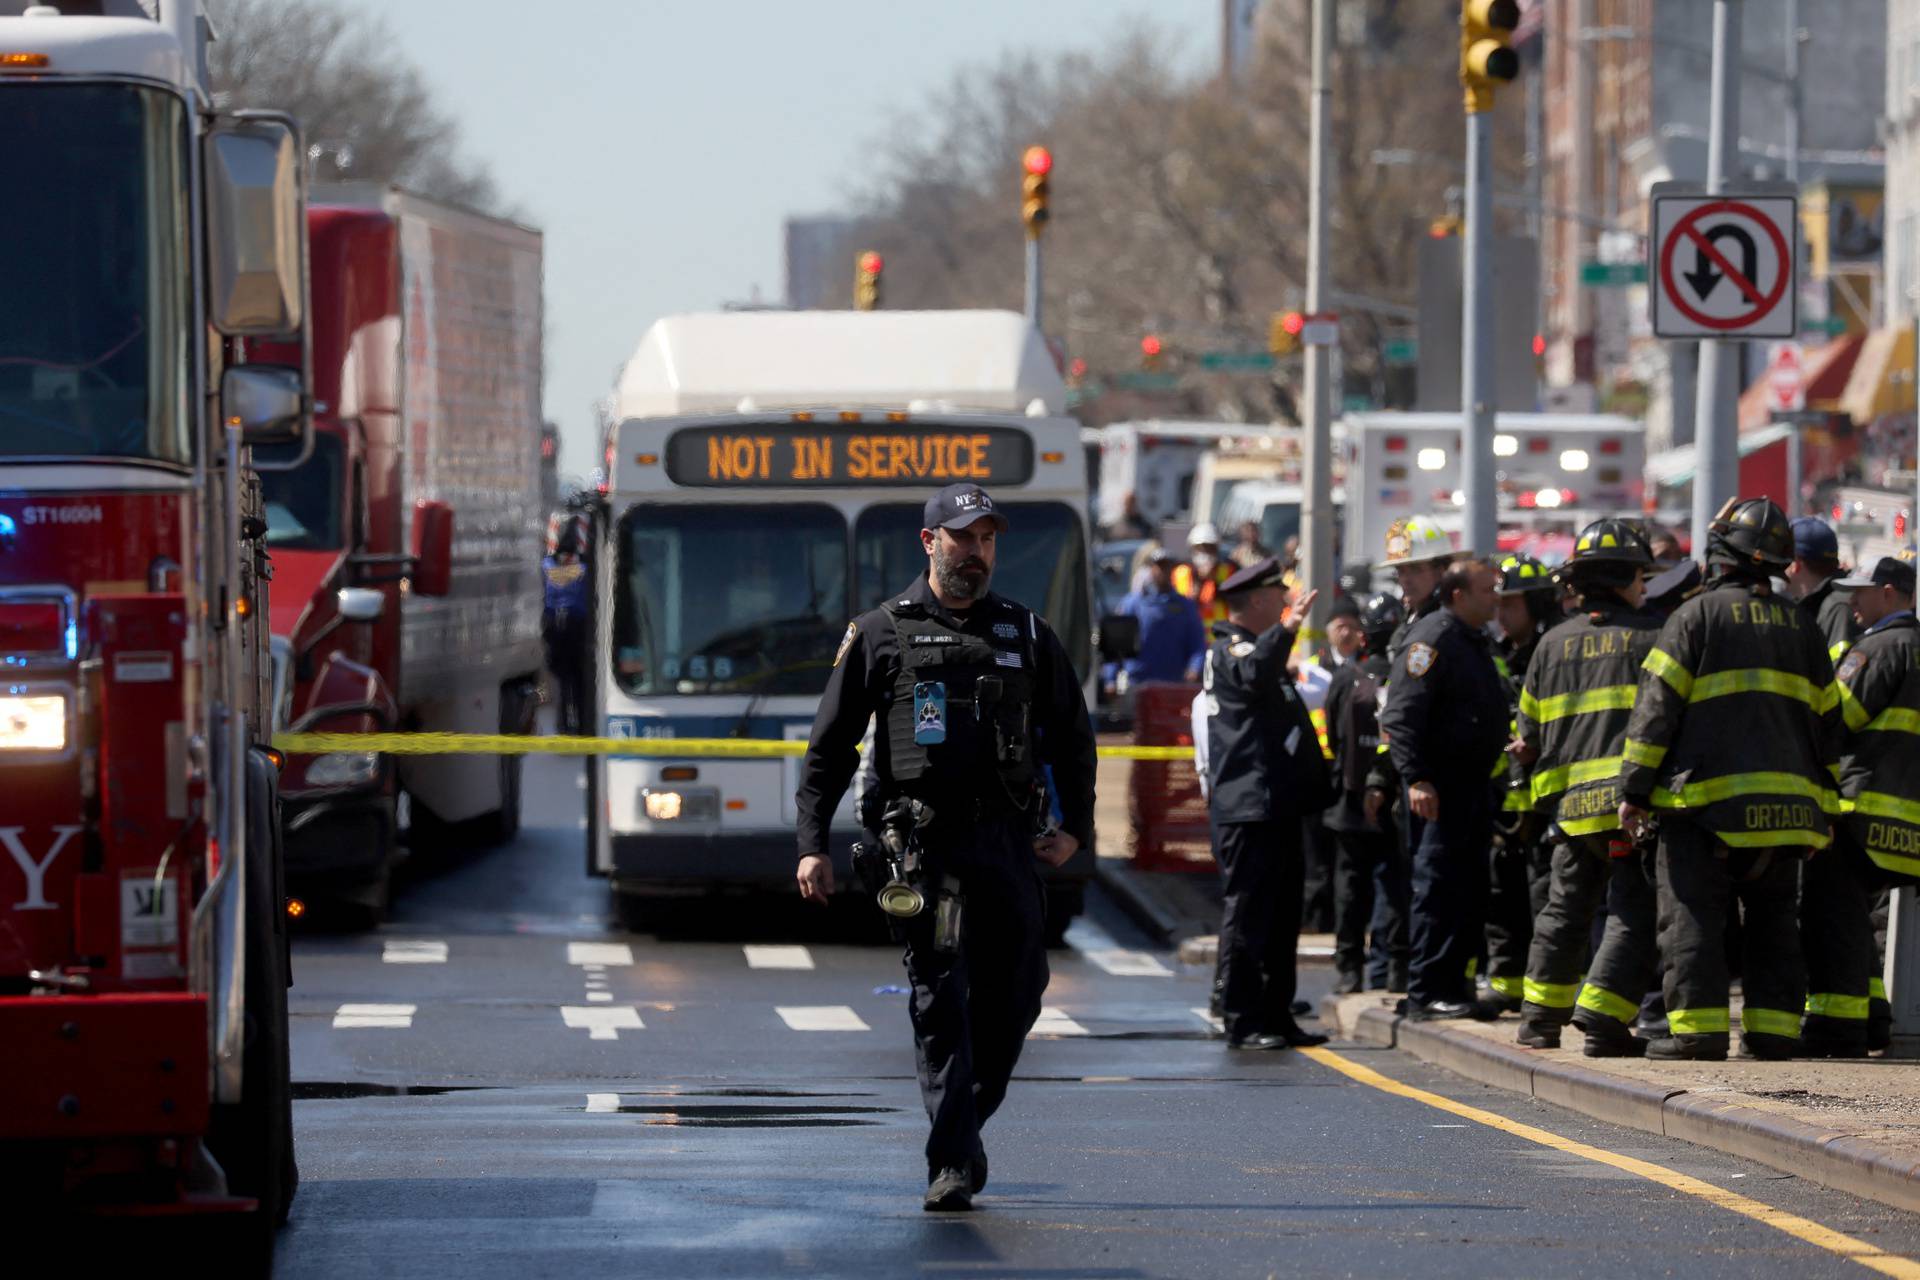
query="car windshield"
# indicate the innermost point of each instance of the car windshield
(729, 599)
(1041, 562)
(93, 339)
(304, 504)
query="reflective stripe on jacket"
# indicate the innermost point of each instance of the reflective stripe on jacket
(1574, 710)
(1879, 686)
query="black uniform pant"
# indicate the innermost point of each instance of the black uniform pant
(1370, 898)
(1584, 875)
(568, 659)
(1700, 879)
(1449, 906)
(1510, 910)
(1319, 855)
(1261, 872)
(972, 1008)
(1838, 891)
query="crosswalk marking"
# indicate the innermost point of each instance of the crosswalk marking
(829, 1017)
(350, 1016)
(1122, 963)
(771, 957)
(396, 951)
(599, 997)
(600, 953)
(603, 1102)
(602, 1023)
(1207, 1016)
(1055, 1022)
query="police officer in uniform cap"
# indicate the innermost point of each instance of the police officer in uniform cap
(974, 694)
(1445, 722)
(1264, 773)
(1732, 743)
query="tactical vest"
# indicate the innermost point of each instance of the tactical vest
(1359, 732)
(989, 687)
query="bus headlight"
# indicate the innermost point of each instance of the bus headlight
(33, 722)
(343, 769)
(687, 804)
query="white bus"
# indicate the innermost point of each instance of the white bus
(766, 478)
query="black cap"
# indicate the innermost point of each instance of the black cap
(1891, 571)
(1344, 607)
(959, 505)
(1265, 573)
(1814, 537)
(1681, 578)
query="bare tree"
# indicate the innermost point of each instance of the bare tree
(368, 114)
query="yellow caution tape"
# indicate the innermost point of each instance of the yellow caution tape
(513, 744)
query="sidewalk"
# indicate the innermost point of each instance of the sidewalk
(1850, 1125)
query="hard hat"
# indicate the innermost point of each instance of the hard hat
(1521, 574)
(1417, 538)
(1611, 541)
(1203, 534)
(1381, 615)
(1754, 533)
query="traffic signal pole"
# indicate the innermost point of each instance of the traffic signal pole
(1476, 342)
(1033, 281)
(1717, 463)
(1316, 530)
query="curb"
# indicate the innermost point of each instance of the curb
(1850, 1162)
(1140, 904)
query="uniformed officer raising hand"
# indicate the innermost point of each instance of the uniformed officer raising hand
(974, 695)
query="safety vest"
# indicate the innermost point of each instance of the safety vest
(1879, 684)
(1204, 592)
(1574, 710)
(960, 709)
(1735, 719)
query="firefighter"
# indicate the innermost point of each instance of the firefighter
(1529, 603)
(1574, 709)
(1201, 578)
(1732, 743)
(1878, 843)
(1814, 577)
(1370, 876)
(1445, 723)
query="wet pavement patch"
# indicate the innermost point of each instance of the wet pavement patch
(333, 1090)
(747, 1116)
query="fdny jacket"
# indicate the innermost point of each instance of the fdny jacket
(1735, 721)
(1574, 708)
(1263, 757)
(867, 682)
(1879, 684)
(1445, 720)
(1831, 609)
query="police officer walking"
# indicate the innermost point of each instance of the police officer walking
(1877, 845)
(974, 694)
(565, 614)
(1264, 774)
(1732, 743)
(1446, 725)
(1579, 693)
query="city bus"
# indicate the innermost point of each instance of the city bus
(765, 478)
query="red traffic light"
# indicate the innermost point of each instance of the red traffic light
(1077, 368)
(1293, 322)
(1037, 161)
(870, 263)
(1150, 345)
(1539, 345)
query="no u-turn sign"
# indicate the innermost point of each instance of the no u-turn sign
(1723, 265)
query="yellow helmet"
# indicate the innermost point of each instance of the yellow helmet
(1417, 538)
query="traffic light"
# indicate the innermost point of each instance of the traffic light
(1076, 371)
(866, 281)
(1151, 349)
(1283, 332)
(1441, 228)
(1487, 59)
(1035, 165)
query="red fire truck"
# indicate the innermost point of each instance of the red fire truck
(143, 966)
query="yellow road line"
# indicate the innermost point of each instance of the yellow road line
(1800, 1228)
(433, 744)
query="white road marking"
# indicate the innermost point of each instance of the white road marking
(1122, 963)
(826, 1017)
(580, 781)
(594, 968)
(603, 1102)
(1207, 1016)
(599, 997)
(602, 1024)
(768, 957)
(599, 953)
(1054, 1022)
(424, 952)
(1315, 951)
(349, 1016)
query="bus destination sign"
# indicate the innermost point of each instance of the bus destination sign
(809, 456)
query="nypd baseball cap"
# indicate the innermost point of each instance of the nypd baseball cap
(1814, 537)
(960, 505)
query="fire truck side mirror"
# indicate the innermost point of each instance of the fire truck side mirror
(432, 548)
(267, 402)
(256, 227)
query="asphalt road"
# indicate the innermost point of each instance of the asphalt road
(501, 1083)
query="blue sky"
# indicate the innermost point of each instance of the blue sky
(659, 145)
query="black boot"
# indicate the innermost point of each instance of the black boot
(1604, 1046)
(1769, 1048)
(1691, 1048)
(1539, 1035)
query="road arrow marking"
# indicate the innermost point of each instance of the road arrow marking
(350, 1016)
(599, 953)
(398, 952)
(602, 1024)
(825, 1017)
(603, 1102)
(768, 957)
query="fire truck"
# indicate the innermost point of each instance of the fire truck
(143, 950)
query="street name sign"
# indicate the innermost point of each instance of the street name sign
(1612, 275)
(1723, 265)
(1321, 329)
(1236, 360)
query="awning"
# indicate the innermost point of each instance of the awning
(1882, 380)
(1676, 466)
(1826, 370)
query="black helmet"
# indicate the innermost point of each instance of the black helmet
(1752, 533)
(1380, 616)
(1521, 575)
(1611, 541)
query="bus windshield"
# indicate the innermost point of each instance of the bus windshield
(93, 245)
(721, 598)
(1041, 563)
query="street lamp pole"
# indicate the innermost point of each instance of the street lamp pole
(1717, 474)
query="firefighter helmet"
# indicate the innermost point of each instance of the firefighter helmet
(1611, 541)
(1521, 574)
(1415, 539)
(1753, 533)
(1380, 616)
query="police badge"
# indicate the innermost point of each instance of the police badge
(1420, 659)
(846, 642)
